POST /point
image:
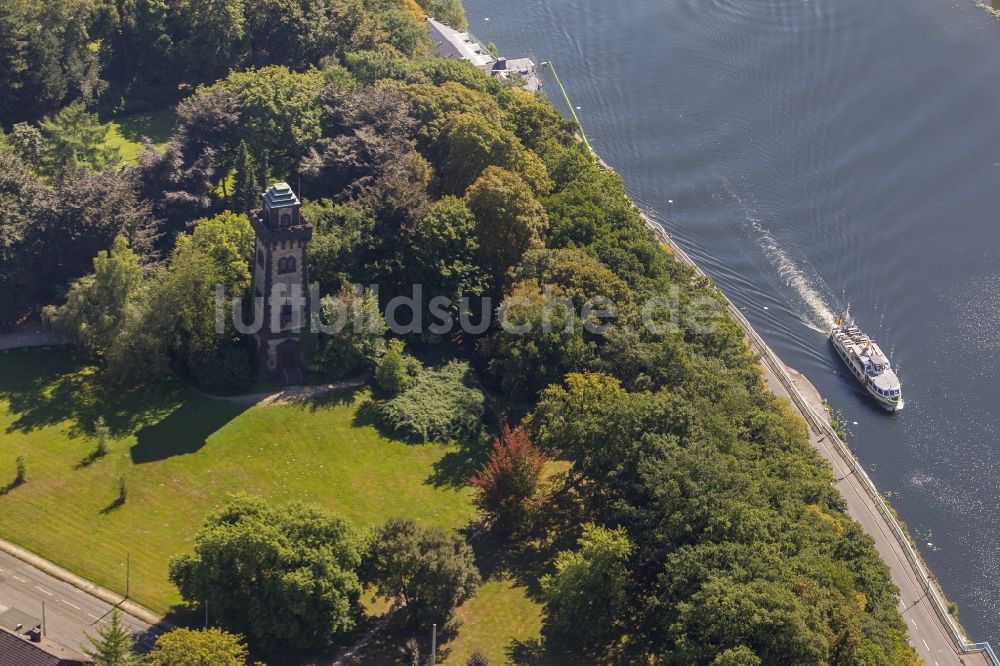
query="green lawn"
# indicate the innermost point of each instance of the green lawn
(500, 608)
(501, 621)
(126, 132)
(182, 454)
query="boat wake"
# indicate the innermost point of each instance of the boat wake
(819, 315)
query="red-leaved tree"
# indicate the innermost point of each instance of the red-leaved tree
(509, 480)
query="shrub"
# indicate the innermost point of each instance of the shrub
(22, 472)
(477, 658)
(102, 433)
(438, 404)
(395, 369)
(122, 491)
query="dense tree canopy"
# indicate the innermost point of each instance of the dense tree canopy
(46, 59)
(280, 575)
(510, 220)
(189, 647)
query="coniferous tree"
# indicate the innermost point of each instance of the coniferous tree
(113, 644)
(246, 188)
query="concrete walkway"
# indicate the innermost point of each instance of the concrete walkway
(288, 395)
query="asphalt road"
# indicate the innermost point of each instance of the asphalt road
(70, 613)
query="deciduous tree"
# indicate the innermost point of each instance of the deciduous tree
(357, 337)
(510, 220)
(190, 647)
(430, 570)
(509, 480)
(283, 576)
(584, 596)
(96, 304)
(444, 253)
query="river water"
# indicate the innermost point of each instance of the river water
(819, 154)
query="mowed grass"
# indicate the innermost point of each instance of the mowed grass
(502, 622)
(182, 454)
(501, 607)
(126, 133)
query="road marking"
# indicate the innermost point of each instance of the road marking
(19, 579)
(69, 604)
(913, 621)
(935, 663)
(93, 616)
(43, 590)
(926, 646)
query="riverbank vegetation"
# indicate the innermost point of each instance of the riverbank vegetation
(644, 467)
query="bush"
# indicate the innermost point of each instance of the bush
(396, 369)
(22, 472)
(477, 658)
(102, 433)
(122, 491)
(438, 404)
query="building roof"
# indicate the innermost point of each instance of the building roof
(16, 620)
(526, 67)
(17, 650)
(280, 195)
(451, 43)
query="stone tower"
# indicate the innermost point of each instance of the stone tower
(281, 293)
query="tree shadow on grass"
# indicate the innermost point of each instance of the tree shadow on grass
(455, 467)
(184, 430)
(156, 126)
(527, 555)
(48, 388)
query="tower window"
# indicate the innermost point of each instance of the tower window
(286, 220)
(286, 265)
(286, 315)
(260, 258)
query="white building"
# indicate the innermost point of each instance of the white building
(451, 43)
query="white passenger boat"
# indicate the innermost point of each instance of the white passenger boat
(867, 363)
